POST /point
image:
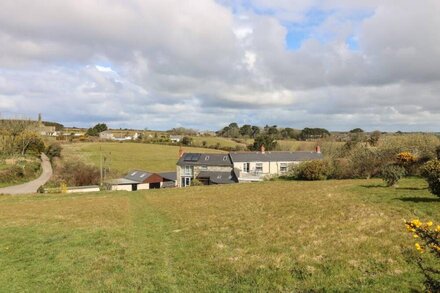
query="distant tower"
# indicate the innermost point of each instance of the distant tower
(40, 121)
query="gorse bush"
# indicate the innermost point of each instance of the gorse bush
(391, 174)
(312, 170)
(428, 244)
(431, 172)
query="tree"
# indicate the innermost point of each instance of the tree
(255, 131)
(357, 130)
(391, 174)
(29, 139)
(246, 130)
(431, 172)
(437, 151)
(95, 130)
(265, 140)
(289, 133)
(313, 133)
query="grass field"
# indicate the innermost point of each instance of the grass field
(122, 157)
(269, 236)
(214, 140)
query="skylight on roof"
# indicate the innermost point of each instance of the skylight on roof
(134, 173)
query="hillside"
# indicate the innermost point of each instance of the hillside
(277, 236)
(122, 157)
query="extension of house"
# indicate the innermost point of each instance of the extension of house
(237, 167)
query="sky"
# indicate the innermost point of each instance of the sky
(336, 64)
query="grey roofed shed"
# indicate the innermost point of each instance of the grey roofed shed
(137, 176)
(197, 159)
(275, 156)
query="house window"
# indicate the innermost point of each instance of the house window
(188, 170)
(283, 167)
(246, 167)
(259, 167)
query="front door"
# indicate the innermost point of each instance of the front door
(246, 167)
(134, 187)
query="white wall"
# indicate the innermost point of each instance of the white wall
(121, 187)
(143, 186)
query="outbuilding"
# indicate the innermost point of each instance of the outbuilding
(141, 180)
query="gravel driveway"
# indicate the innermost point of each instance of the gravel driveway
(32, 186)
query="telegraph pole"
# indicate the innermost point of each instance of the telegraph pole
(100, 162)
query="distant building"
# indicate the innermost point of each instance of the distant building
(176, 138)
(45, 130)
(106, 135)
(117, 135)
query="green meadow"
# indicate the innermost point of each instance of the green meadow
(122, 157)
(271, 236)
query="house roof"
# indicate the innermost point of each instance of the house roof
(204, 159)
(218, 177)
(138, 176)
(172, 176)
(275, 156)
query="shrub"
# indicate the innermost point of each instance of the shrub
(312, 170)
(196, 182)
(391, 174)
(76, 173)
(428, 236)
(431, 172)
(186, 140)
(54, 150)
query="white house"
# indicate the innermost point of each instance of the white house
(238, 166)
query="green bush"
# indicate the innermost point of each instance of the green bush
(312, 170)
(54, 150)
(391, 174)
(431, 172)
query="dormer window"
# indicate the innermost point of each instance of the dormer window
(206, 158)
(225, 158)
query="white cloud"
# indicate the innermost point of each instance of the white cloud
(204, 63)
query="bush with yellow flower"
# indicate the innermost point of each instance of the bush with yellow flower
(428, 243)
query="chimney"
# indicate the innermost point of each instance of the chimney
(262, 149)
(318, 149)
(181, 152)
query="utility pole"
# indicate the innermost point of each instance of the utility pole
(100, 162)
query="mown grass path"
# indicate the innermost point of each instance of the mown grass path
(271, 236)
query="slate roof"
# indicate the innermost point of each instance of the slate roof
(218, 177)
(138, 176)
(172, 176)
(198, 159)
(275, 156)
